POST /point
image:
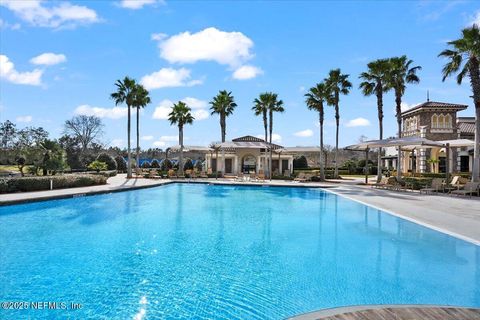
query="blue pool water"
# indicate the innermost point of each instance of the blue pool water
(224, 252)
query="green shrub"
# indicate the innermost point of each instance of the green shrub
(108, 159)
(188, 165)
(121, 164)
(97, 166)
(25, 184)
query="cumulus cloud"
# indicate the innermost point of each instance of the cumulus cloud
(159, 144)
(167, 78)
(476, 19)
(25, 119)
(358, 122)
(8, 73)
(210, 44)
(109, 113)
(276, 138)
(117, 143)
(304, 133)
(48, 59)
(158, 36)
(51, 14)
(165, 106)
(247, 72)
(138, 4)
(165, 140)
(147, 138)
(405, 106)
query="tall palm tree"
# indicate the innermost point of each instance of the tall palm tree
(274, 106)
(399, 74)
(337, 83)
(180, 116)
(315, 99)
(375, 83)
(223, 104)
(465, 57)
(141, 100)
(126, 94)
(260, 107)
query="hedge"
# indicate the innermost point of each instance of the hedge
(25, 184)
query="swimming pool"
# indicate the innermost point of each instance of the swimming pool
(209, 251)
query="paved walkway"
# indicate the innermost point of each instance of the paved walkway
(457, 216)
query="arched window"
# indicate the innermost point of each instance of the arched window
(448, 121)
(434, 121)
(441, 121)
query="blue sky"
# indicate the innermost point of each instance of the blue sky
(59, 59)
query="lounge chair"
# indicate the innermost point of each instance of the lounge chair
(456, 184)
(300, 177)
(469, 189)
(203, 175)
(172, 174)
(401, 184)
(383, 183)
(436, 186)
(180, 175)
(260, 176)
(152, 174)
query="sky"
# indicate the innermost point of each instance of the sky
(59, 59)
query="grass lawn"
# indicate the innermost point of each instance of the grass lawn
(13, 168)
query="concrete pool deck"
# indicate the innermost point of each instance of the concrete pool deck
(457, 216)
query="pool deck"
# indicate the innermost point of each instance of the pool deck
(458, 216)
(393, 312)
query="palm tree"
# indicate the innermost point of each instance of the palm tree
(180, 116)
(399, 74)
(314, 99)
(375, 82)
(223, 104)
(126, 94)
(215, 147)
(465, 56)
(141, 100)
(261, 108)
(274, 106)
(337, 83)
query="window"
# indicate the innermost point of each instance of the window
(448, 121)
(434, 121)
(441, 121)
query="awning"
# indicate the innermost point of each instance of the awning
(191, 148)
(406, 143)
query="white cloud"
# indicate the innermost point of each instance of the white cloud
(117, 143)
(276, 138)
(476, 19)
(165, 107)
(168, 77)
(146, 138)
(24, 119)
(210, 44)
(358, 122)
(304, 133)
(247, 72)
(138, 4)
(195, 103)
(48, 59)
(405, 106)
(165, 140)
(110, 113)
(8, 72)
(44, 14)
(6, 25)
(158, 36)
(301, 89)
(200, 114)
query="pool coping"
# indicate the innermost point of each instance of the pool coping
(329, 312)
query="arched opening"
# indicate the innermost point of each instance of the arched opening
(249, 163)
(441, 121)
(448, 121)
(434, 121)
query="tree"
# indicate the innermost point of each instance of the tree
(84, 128)
(97, 166)
(315, 99)
(275, 106)
(400, 72)
(223, 104)
(53, 158)
(260, 107)
(375, 83)
(121, 164)
(21, 164)
(142, 99)
(464, 56)
(180, 116)
(126, 94)
(8, 133)
(72, 147)
(337, 83)
(108, 159)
